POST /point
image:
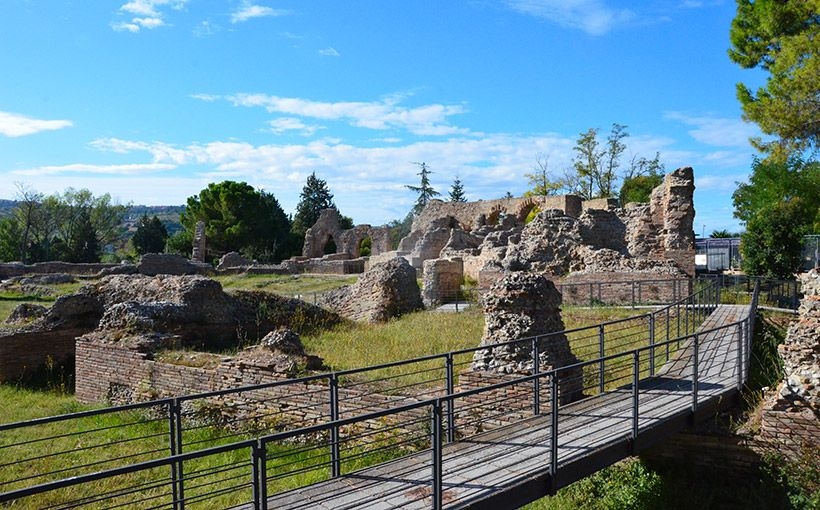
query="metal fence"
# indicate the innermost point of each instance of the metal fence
(239, 446)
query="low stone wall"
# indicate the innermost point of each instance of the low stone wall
(739, 456)
(789, 431)
(24, 353)
(112, 373)
(9, 270)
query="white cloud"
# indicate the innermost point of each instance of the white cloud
(329, 52)
(147, 14)
(81, 168)
(14, 125)
(592, 16)
(380, 115)
(247, 11)
(717, 131)
(284, 124)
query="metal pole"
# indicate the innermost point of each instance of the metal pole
(695, 376)
(636, 377)
(451, 403)
(651, 344)
(260, 475)
(554, 428)
(601, 364)
(175, 437)
(335, 457)
(741, 357)
(436, 447)
(536, 383)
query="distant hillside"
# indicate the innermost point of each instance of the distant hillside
(167, 214)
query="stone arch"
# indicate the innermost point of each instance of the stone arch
(495, 213)
(525, 208)
(330, 246)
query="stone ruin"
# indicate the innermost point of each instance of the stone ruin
(348, 241)
(790, 419)
(145, 313)
(525, 305)
(568, 240)
(388, 289)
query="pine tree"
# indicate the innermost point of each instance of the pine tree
(457, 191)
(150, 236)
(425, 191)
(315, 196)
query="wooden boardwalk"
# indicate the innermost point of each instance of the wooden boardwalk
(510, 466)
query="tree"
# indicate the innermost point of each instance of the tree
(457, 191)
(775, 180)
(315, 196)
(722, 234)
(595, 167)
(239, 218)
(83, 245)
(539, 180)
(641, 177)
(773, 241)
(782, 38)
(10, 236)
(424, 190)
(150, 236)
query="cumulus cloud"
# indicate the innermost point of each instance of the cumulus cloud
(431, 120)
(592, 16)
(14, 125)
(147, 14)
(248, 11)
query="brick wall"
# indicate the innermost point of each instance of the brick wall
(621, 288)
(23, 353)
(790, 430)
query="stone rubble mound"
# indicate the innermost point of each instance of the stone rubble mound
(388, 289)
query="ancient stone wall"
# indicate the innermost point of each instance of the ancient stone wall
(387, 290)
(792, 419)
(442, 281)
(348, 242)
(12, 269)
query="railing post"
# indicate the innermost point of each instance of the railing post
(741, 357)
(554, 428)
(602, 363)
(591, 294)
(335, 458)
(451, 403)
(636, 379)
(695, 375)
(436, 447)
(651, 344)
(536, 382)
(633, 293)
(666, 339)
(175, 440)
(260, 475)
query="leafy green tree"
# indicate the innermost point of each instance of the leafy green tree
(457, 191)
(782, 38)
(775, 180)
(595, 164)
(83, 245)
(639, 188)
(315, 196)
(539, 180)
(773, 241)
(424, 190)
(239, 218)
(722, 234)
(10, 236)
(150, 237)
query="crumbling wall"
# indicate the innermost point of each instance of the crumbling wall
(388, 289)
(442, 281)
(791, 420)
(328, 227)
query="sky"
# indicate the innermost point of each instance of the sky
(151, 100)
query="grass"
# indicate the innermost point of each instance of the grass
(304, 284)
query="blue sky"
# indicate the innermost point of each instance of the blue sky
(150, 100)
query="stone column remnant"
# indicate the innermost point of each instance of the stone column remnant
(521, 305)
(198, 251)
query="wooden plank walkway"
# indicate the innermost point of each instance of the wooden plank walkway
(509, 466)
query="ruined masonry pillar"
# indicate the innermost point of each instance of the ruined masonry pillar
(198, 251)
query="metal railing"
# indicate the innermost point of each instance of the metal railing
(218, 444)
